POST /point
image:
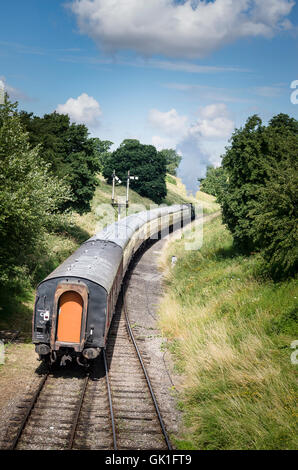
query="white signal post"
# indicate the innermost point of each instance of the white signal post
(113, 188)
(118, 181)
(127, 184)
(121, 201)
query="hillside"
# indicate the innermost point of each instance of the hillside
(176, 194)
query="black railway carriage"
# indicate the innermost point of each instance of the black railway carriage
(75, 303)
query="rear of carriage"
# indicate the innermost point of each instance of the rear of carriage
(61, 322)
(72, 315)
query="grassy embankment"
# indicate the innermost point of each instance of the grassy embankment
(229, 330)
(16, 310)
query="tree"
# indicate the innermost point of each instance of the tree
(259, 203)
(101, 149)
(29, 195)
(142, 161)
(70, 152)
(173, 160)
(275, 213)
(243, 165)
(214, 182)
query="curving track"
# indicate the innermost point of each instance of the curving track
(139, 423)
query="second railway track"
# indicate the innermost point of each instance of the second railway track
(113, 406)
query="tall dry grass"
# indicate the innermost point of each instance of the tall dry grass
(230, 332)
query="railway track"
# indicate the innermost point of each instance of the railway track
(139, 423)
(58, 416)
(112, 406)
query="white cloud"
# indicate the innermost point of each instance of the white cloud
(170, 122)
(200, 143)
(213, 110)
(189, 29)
(213, 123)
(163, 142)
(196, 156)
(84, 110)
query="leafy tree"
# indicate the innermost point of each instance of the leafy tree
(49, 131)
(70, 152)
(243, 165)
(275, 213)
(101, 149)
(173, 160)
(259, 203)
(29, 195)
(214, 182)
(142, 161)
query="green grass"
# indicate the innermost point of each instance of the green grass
(230, 331)
(171, 179)
(177, 194)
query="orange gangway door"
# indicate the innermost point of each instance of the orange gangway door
(70, 317)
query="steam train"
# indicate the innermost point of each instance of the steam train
(74, 304)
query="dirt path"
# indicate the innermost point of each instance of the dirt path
(17, 375)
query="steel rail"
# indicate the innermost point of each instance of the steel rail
(161, 422)
(29, 409)
(77, 415)
(110, 400)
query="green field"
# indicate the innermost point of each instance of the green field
(230, 330)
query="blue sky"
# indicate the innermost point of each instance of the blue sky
(178, 74)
